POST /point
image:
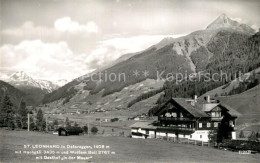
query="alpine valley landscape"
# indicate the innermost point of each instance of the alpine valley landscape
(225, 45)
(198, 93)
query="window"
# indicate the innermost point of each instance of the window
(208, 124)
(200, 136)
(190, 136)
(215, 124)
(174, 115)
(215, 114)
(218, 114)
(200, 125)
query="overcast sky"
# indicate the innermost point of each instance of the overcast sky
(64, 39)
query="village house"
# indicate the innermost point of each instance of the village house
(189, 118)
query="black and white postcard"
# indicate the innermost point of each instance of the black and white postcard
(129, 81)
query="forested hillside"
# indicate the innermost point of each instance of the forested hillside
(15, 94)
(233, 52)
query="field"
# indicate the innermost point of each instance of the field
(126, 149)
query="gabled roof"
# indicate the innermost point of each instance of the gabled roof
(231, 111)
(194, 110)
(209, 107)
(198, 110)
(186, 104)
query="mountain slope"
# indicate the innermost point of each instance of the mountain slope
(247, 103)
(15, 94)
(169, 56)
(35, 89)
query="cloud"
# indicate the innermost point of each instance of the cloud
(29, 29)
(61, 25)
(3, 76)
(43, 60)
(67, 25)
(53, 61)
(111, 49)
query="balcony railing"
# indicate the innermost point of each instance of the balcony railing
(216, 118)
(176, 119)
(176, 128)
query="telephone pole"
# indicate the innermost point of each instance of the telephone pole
(88, 122)
(28, 121)
(46, 123)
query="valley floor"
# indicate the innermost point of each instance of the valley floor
(126, 149)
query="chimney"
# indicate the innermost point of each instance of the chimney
(195, 98)
(208, 99)
(192, 103)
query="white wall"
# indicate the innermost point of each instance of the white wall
(234, 135)
(201, 135)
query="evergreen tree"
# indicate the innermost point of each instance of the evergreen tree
(55, 124)
(257, 135)
(43, 124)
(22, 115)
(32, 124)
(67, 122)
(6, 113)
(241, 134)
(40, 120)
(252, 136)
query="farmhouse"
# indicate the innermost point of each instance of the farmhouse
(188, 118)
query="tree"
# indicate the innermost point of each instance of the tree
(55, 124)
(67, 122)
(85, 129)
(241, 134)
(44, 124)
(252, 136)
(22, 115)
(6, 113)
(40, 120)
(257, 135)
(32, 124)
(75, 124)
(94, 130)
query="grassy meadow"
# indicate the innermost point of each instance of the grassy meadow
(126, 149)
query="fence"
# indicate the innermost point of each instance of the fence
(185, 141)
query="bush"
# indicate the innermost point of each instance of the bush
(114, 119)
(94, 130)
(85, 129)
(241, 145)
(74, 130)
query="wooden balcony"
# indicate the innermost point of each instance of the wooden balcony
(216, 118)
(176, 129)
(175, 119)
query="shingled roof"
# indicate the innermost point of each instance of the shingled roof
(197, 109)
(194, 110)
(231, 111)
(185, 103)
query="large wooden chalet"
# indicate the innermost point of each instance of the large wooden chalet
(189, 118)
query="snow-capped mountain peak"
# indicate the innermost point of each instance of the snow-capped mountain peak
(20, 76)
(21, 79)
(223, 21)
